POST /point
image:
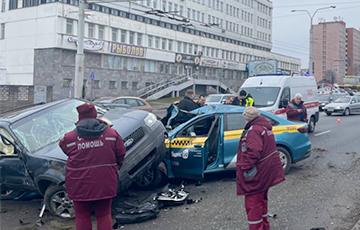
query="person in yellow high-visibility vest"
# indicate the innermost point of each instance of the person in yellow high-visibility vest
(244, 99)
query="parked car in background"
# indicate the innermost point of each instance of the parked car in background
(212, 99)
(205, 140)
(133, 102)
(345, 105)
(31, 159)
(325, 99)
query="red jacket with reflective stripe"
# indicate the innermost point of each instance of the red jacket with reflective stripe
(93, 161)
(257, 148)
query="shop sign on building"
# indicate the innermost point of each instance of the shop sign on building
(128, 50)
(89, 44)
(230, 65)
(208, 62)
(190, 60)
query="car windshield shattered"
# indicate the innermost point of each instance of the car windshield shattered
(49, 125)
(342, 100)
(263, 96)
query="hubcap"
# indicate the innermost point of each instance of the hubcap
(283, 159)
(62, 205)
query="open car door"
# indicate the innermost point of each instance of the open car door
(189, 149)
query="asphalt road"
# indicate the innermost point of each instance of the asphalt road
(321, 191)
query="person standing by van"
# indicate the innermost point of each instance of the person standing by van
(95, 152)
(258, 167)
(296, 110)
(243, 99)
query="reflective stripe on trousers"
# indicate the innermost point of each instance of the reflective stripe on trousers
(256, 209)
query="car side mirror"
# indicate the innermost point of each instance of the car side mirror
(284, 103)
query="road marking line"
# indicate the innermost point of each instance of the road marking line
(318, 134)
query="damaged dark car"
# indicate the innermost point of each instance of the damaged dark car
(31, 160)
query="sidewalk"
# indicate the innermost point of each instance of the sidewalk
(357, 226)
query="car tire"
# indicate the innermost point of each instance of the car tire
(151, 179)
(311, 125)
(347, 112)
(9, 194)
(285, 158)
(328, 113)
(57, 201)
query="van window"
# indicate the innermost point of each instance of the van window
(263, 96)
(285, 95)
(234, 121)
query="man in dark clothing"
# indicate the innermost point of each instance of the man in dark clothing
(201, 101)
(95, 152)
(295, 110)
(187, 103)
(258, 167)
(243, 99)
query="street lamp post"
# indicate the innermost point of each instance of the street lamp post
(311, 34)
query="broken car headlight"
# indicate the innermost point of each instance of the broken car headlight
(150, 119)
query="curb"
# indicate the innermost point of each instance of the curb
(357, 226)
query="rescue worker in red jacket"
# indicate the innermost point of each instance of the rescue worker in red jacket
(295, 110)
(258, 167)
(95, 152)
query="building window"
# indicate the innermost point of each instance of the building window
(13, 4)
(178, 47)
(101, 32)
(176, 7)
(164, 5)
(3, 2)
(95, 84)
(69, 26)
(188, 12)
(67, 82)
(114, 34)
(190, 49)
(114, 62)
(112, 85)
(139, 39)
(123, 36)
(170, 6)
(124, 84)
(28, 3)
(2, 31)
(155, 4)
(135, 85)
(163, 43)
(91, 30)
(170, 42)
(150, 39)
(157, 42)
(184, 47)
(131, 37)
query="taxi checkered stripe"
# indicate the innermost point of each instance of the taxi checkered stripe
(181, 142)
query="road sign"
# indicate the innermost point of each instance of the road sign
(92, 76)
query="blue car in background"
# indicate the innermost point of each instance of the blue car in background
(205, 140)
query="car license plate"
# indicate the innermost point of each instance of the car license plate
(330, 109)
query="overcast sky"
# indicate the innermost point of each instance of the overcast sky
(291, 29)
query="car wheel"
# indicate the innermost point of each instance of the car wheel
(285, 158)
(150, 179)
(328, 113)
(311, 125)
(9, 194)
(347, 112)
(58, 203)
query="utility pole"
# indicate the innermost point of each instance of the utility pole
(311, 58)
(80, 61)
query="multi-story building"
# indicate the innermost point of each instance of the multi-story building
(132, 45)
(353, 53)
(336, 51)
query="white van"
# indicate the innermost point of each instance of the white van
(272, 93)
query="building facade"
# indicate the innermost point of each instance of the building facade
(132, 45)
(336, 52)
(353, 53)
